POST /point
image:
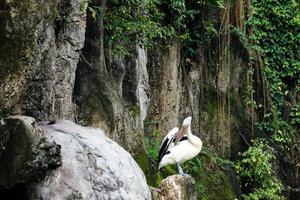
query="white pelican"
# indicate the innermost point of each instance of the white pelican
(179, 146)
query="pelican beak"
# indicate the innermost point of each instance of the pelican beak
(180, 134)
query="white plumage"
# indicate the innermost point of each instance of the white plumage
(179, 146)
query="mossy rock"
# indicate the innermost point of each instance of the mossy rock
(17, 38)
(10, 48)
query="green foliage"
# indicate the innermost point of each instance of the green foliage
(152, 139)
(146, 21)
(295, 115)
(201, 26)
(212, 180)
(152, 145)
(83, 4)
(257, 175)
(129, 20)
(177, 14)
(274, 35)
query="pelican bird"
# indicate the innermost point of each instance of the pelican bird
(179, 146)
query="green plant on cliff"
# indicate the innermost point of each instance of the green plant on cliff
(275, 26)
(146, 21)
(152, 145)
(257, 176)
(276, 37)
(212, 179)
(127, 21)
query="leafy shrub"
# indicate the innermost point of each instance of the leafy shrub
(257, 176)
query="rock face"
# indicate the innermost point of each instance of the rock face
(40, 47)
(112, 94)
(94, 167)
(25, 154)
(181, 88)
(175, 187)
(55, 63)
(42, 75)
(166, 87)
(142, 90)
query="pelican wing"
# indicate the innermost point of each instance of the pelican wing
(167, 143)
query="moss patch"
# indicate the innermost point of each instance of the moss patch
(213, 176)
(148, 167)
(10, 46)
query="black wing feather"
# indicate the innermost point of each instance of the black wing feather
(163, 149)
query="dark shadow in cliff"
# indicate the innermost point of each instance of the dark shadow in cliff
(91, 90)
(18, 192)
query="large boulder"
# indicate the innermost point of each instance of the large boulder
(176, 187)
(94, 167)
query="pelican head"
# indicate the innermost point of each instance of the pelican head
(187, 122)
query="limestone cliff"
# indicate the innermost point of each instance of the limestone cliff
(41, 44)
(55, 63)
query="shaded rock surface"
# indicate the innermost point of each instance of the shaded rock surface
(40, 48)
(94, 167)
(176, 187)
(112, 93)
(25, 154)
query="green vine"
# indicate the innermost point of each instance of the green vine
(276, 37)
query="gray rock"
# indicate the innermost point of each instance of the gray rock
(50, 94)
(112, 95)
(143, 88)
(25, 155)
(40, 45)
(94, 167)
(165, 76)
(176, 187)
